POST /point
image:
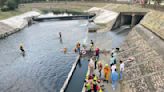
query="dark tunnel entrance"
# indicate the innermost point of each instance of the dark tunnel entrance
(128, 18)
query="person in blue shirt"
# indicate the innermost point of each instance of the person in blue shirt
(114, 78)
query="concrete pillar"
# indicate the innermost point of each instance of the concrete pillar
(122, 20)
(133, 20)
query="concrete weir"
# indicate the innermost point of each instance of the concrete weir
(73, 17)
(128, 18)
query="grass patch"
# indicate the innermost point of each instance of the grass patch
(7, 14)
(74, 7)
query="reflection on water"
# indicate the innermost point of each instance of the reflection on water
(45, 67)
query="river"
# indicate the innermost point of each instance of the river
(45, 67)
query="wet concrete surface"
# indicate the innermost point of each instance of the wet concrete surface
(44, 67)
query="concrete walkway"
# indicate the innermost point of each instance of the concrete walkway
(107, 86)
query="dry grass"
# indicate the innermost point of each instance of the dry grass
(4, 15)
(77, 6)
(125, 8)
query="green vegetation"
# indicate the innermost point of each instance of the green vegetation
(73, 7)
(7, 14)
(7, 5)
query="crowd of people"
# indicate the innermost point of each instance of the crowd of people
(108, 72)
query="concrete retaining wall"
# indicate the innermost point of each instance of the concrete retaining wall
(154, 21)
(104, 18)
(145, 73)
(16, 23)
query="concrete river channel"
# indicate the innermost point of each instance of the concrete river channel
(45, 67)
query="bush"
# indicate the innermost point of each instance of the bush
(11, 4)
(5, 8)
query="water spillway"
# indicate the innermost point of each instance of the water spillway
(62, 17)
(128, 18)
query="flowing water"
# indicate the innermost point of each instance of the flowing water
(45, 67)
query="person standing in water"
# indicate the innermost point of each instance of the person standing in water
(60, 35)
(22, 49)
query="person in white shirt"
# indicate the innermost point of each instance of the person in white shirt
(121, 69)
(113, 67)
(91, 66)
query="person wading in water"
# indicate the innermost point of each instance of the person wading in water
(60, 35)
(22, 49)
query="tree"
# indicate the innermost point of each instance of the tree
(12, 4)
(2, 2)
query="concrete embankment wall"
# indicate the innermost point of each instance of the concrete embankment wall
(104, 18)
(16, 23)
(154, 21)
(145, 44)
(5, 30)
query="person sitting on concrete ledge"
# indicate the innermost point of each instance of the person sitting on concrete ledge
(78, 47)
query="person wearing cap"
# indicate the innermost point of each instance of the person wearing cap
(94, 83)
(88, 87)
(106, 72)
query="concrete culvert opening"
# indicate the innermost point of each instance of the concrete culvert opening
(128, 18)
